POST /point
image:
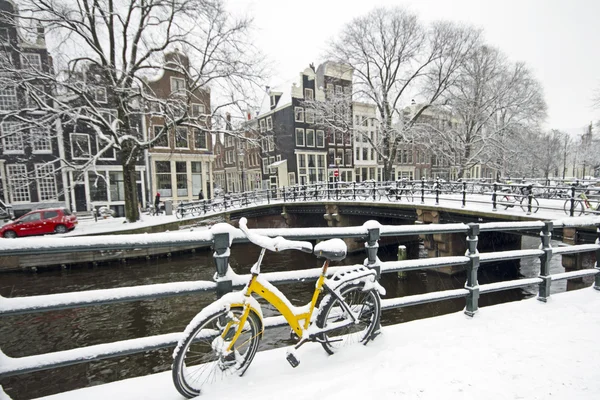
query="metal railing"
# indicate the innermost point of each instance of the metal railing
(222, 236)
(572, 200)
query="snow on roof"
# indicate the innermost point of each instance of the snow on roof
(285, 90)
(277, 163)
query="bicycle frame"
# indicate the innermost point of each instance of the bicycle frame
(273, 296)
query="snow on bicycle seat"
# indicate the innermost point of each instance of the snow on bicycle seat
(331, 249)
(274, 244)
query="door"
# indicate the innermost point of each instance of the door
(80, 198)
(30, 224)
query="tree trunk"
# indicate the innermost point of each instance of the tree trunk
(129, 157)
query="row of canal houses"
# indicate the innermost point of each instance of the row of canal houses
(44, 165)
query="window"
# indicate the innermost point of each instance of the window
(271, 143)
(300, 137)
(107, 153)
(348, 157)
(320, 138)
(229, 157)
(162, 141)
(197, 110)
(40, 140)
(329, 90)
(109, 116)
(31, 61)
(181, 137)
(308, 94)
(80, 146)
(228, 141)
(8, 98)
(100, 95)
(98, 186)
(163, 178)
(298, 114)
(6, 59)
(262, 126)
(12, 137)
(177, 85)
(199, 139)
(310, 116)
(310, 138)
(18, 182)
(117, 186)
(338, 89)
(181, 178)
(269, 123)
(46, 181)
(35, 93)
(264, 166)
(291, 178)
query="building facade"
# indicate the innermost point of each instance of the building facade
(29, 152)
(180, 162)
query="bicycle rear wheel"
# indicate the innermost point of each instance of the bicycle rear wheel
(535, 205)
(365, 304)
(199, 358)
(577, 207)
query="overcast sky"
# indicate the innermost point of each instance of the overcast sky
(558, 39)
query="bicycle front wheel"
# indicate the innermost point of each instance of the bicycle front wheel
(409, 195)
(366, 307)
(577, 207)
(200, 359)
(535, 205)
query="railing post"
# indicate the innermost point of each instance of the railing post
(221, 256)
(472, 285)
(546, 235)
(353, 190)
(464, 194)
(372, 245)
(268, 195)
(597, 266)
(438, 187)
(572, 210)
(374, 189)
(494, 197)
(422, 190)
(529, 199)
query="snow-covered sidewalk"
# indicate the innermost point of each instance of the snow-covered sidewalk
(520, 350)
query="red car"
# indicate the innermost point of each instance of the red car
(40, 222)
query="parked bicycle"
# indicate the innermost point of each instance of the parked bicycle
(511, 199)
(581, 205)
(223, 338)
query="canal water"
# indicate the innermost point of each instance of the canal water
(62, 330)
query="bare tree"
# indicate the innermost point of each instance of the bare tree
(493, 105)
(396, 58)
(123, 42)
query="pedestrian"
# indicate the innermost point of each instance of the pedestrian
(157, 204)
(201, 195)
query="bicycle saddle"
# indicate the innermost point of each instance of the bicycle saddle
(331, 249)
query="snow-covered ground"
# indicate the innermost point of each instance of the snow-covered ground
(521, 350)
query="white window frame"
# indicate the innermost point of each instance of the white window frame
(299, 114)
(100, 95)
(45, 141)
(18, 183)
(300, 130)
(309, 116)
(262, 126)
(74, 134)
(46, 182)
(317, 136)
(306, 135)
(196, 110)
(106, 155)
(12, 143)
(26, 61)
(269, 123)
(187, 137)
(8, 98)
(197, 131)
(309, 94)
(175, 87)
(271, 143)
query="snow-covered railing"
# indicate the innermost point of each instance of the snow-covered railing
(222, 236)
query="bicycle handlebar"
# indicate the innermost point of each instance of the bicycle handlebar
(276, 244)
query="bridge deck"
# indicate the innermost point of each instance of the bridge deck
(526, 349)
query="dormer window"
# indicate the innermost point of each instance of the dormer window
(308, 94)
(177, 85)
(273, 101)
(100, 95)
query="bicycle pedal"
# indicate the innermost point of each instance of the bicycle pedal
(291, 357)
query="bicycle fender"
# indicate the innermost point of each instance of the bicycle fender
(356, 274)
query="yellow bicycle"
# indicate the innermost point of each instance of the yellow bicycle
(224, 337)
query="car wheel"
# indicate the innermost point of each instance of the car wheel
(60, 229)
(10, 234)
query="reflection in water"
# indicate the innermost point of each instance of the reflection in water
(68, 329)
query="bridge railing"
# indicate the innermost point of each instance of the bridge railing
(572, 200)
(222, 236)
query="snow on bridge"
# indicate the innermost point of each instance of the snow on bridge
(519, 350)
